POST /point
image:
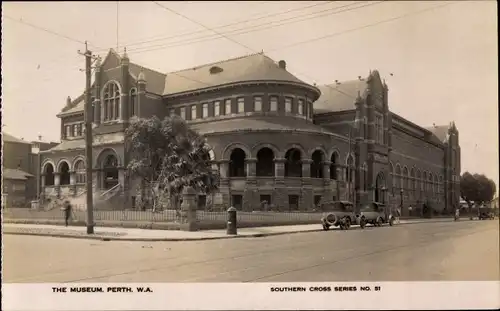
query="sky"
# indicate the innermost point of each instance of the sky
(442, 55)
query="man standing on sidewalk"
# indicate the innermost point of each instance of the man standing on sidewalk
(67, 212)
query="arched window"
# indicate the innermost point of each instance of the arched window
(424, 181)
(293, 164)
(365, 176)
(419, 182)
(431, 188)
(237, 163)
(349, 172)
(265, 162)
(80, 172)
(64, 173)
(398, 176)
(391, 172)
(412, 180)
(405, 178)
(436, 184)
(317, 164)
(333, 166)
(133, 101)
(111, 101)
(49, 175)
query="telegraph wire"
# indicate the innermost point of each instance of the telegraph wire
(155, 39)
(363, 27)
(254, 28)
(200, 24)
(20, 20)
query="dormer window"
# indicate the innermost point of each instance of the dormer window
(215, 70)
(228, 106)
(183, 113)
(68, 130)
(217, 108)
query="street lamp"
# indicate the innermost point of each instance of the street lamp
(401, 196)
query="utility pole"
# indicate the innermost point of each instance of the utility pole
(88, 138)
(349, 166)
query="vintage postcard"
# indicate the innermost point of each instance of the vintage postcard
(248, 155)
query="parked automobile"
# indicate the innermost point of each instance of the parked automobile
(486, 213)
(376, 214)
(338, 214)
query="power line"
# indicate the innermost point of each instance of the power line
(254, 28)
(45, 30)
(200, 24)
(239, 22)
(362, 27)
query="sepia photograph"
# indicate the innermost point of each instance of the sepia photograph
(276, 149)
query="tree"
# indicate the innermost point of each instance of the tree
(476, 188)
(167, 156)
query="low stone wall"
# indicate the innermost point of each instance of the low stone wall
(164, 220)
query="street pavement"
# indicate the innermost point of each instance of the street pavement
(134, 234)
(456, 251)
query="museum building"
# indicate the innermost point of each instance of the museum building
(274, 138)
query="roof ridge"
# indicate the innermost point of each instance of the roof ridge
(144, 67)
(218, 62)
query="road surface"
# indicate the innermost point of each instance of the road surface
(457, 251)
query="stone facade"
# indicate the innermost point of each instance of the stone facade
(273, 137)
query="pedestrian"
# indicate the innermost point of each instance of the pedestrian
(67, 212)
(410, 208)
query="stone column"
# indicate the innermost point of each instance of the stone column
(188, 210)
(250, 199)
(279, 198)
(327, 184)
(72, 182)
(222, 199)
(306, 198)
(57, 183)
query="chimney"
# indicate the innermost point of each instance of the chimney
(282, 64)
(337, 82)
(68, 101)
(40, 137)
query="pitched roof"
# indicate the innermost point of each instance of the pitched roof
(99, 140)
(15, 174)
(155, 81)
(339, 96)
(440, 131)
(9, 138)
(255, 67)
(258, 123)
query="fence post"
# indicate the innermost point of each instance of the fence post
(188, 208)
(232, 228)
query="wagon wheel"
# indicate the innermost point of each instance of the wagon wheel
(326, 227)
(391, 221)
(362, 223)
(347, 223)
(378, 222)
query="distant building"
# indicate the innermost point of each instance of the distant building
(274, 137)
(20, 170)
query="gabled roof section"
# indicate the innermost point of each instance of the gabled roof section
(77, 105)
(12, 139)
(440, 132)
(155, 81)
(15, 174)
(255, 67)
(340, 96)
